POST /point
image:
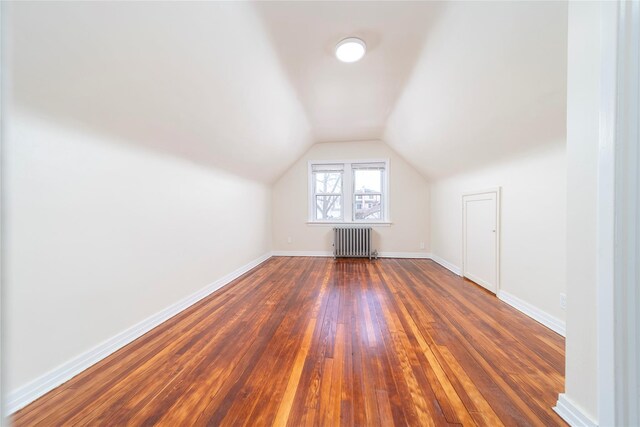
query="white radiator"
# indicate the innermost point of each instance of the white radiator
(352, 242)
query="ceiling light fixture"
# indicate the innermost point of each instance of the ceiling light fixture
(351, 49)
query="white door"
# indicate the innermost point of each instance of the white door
(480, 238)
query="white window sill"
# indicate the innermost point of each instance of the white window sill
(333, 224)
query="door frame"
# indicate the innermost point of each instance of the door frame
(618, 227)
(496, 191)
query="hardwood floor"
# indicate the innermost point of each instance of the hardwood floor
(313, 341)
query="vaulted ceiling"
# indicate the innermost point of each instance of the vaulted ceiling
(348, 101)
(248, 87)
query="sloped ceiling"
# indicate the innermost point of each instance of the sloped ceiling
(490, 83)
(197, 80)
(248, 87)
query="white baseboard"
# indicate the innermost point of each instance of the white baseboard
(26, 394)
(420, 255)
(446, 264)
(303, 253)
(571, 413)
(533, 312)
(330, 254)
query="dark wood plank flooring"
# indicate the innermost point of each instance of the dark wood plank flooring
(313, 341)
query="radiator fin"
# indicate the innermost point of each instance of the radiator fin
(352, 242)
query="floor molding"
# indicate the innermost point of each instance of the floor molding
(29, 392)
(446, 264)
(533, 312)
(570, 412)
(303, 253)
(422, 255)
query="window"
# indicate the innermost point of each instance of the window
(327, 192)
(368, 181)
(347, 192)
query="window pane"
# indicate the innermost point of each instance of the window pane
(328, 207)
(367, 180)
(368, 206)
(328, 182)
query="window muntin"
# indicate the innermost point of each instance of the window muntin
(348, 192)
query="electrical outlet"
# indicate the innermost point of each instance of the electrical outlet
(421, 245)
(563, 301)
(289, 240)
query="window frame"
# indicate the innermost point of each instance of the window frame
(348, 193)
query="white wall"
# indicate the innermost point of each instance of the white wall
(408, 202)
(100, 234)
(583, 102)
(532, 259)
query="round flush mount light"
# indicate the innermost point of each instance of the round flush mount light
(351, 49)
